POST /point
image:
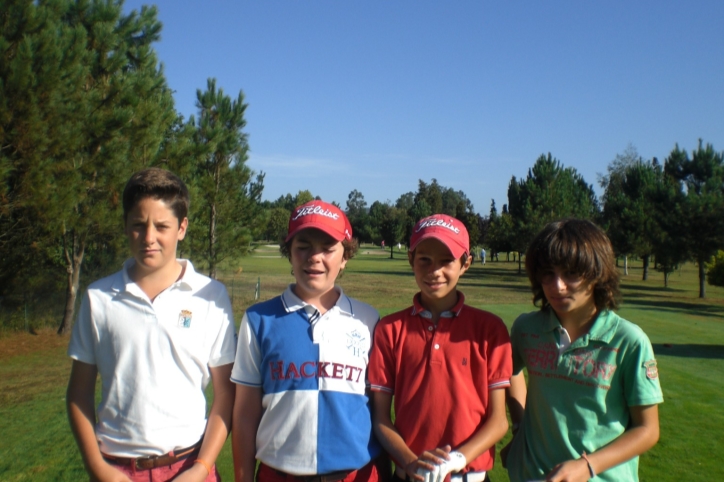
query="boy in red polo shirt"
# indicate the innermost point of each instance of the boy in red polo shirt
(446, 364)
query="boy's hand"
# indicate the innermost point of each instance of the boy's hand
(107, 473)
(455, 463)
(195, 473)
(426, 462)
(570, 471)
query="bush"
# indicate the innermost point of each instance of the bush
(715, 270)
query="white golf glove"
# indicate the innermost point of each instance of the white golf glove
(456, 463)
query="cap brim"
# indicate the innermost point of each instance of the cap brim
(336, 235)
(455, 249)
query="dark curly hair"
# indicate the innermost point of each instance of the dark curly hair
(577, 246)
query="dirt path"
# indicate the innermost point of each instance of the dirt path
(22, 343)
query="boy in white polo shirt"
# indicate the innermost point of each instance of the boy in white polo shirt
(445, 363)
(157, 332)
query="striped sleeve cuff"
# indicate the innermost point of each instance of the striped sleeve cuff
(242, 382)
(380, 388)
(499, 384)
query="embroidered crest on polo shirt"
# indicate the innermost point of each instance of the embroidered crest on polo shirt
(651, 371)
(184, 319)
(354, 343)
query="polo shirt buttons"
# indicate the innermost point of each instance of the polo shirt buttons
(430, 328)
(437, 347)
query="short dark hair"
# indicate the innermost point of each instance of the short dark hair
(156, 183)
(350, 247)
(578, 246)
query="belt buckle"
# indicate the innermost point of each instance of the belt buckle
(138, 463)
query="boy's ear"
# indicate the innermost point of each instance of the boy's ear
(464, 266)
(411, 257)
(182, 228)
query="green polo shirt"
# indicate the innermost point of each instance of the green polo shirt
(579, 400)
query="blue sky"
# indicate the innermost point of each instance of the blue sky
(373, 95)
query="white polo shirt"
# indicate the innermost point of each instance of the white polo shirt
(153, 358)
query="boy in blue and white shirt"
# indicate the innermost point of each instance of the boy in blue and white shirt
(301, 405)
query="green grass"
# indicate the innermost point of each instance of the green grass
(687, 333)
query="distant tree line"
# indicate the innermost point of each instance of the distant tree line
(668, 213)
(672, 212)
(84, 104)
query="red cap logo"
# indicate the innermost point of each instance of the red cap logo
(450, 231)
(320, 215)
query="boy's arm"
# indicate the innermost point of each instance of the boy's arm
(247, 415)
(218, 424)
(494, 428)
(393, 443)
(515, 396)
(637, 439)
(80, 404)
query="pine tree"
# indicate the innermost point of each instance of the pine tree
(227, 201)
(86, 105)
(701, 182)
(629, 205)
(549, 192)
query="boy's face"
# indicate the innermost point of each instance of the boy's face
(436, 272)
(568, 293)
(153, 232)
(317, 258)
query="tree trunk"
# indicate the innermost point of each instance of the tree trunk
(74, 260)
(666, 279)
(645, 259)
(625, 265)
(212, 222)
(212, 241)
(520, 267)
(702, 278)
(392, 251)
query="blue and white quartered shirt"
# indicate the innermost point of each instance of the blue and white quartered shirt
(312, 370)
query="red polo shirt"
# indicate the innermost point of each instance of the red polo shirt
(441, 376)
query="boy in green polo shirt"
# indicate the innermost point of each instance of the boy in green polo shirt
(593, 390)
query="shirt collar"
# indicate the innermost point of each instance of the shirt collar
(418, 309)
(603, 328)
(292, 302)
(189, 280)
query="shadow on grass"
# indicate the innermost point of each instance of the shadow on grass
(650, 296)
(510, 285)
(490, 272)
(661, 288)
(674, 306)
(387, 273)
(689, 350)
